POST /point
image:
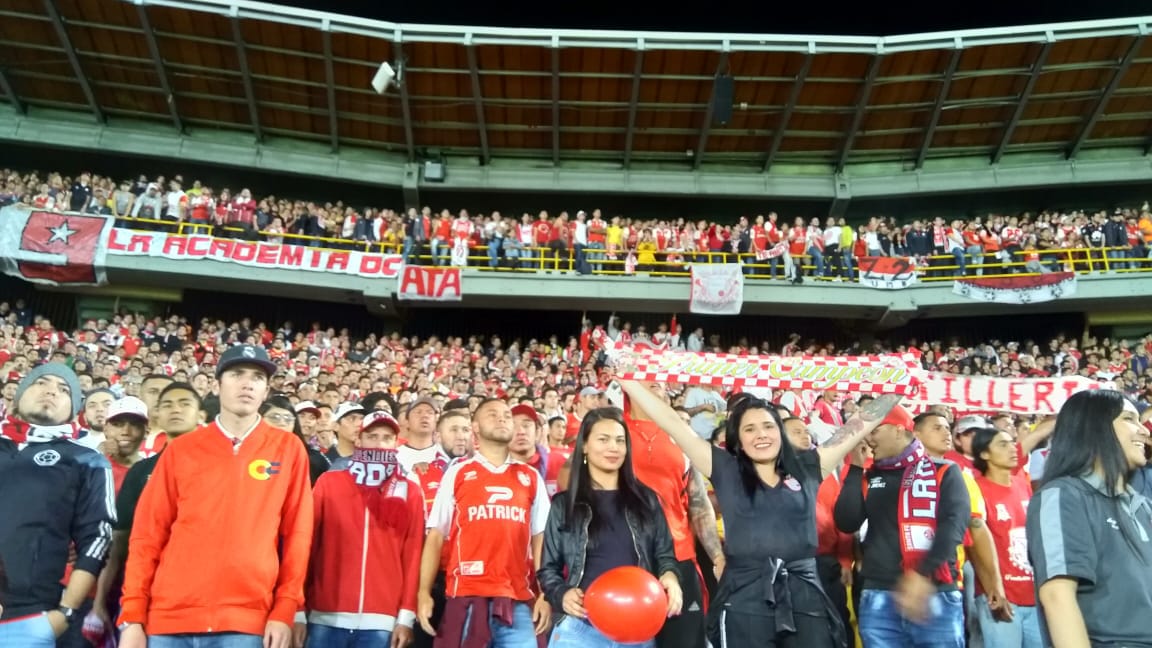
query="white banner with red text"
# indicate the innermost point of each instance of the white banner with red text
(53, 248)
(717, 289)
(422, 283)
(255, 254)
(980, 394)
(888, 374)
(886, 273)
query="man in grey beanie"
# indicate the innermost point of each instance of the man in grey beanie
(53, 494)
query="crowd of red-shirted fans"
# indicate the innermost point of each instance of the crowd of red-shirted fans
(329, 388)
(591, 241)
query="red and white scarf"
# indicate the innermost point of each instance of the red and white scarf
(919, 495)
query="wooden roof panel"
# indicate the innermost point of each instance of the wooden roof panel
(289, 77)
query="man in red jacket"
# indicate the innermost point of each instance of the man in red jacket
(369, 530)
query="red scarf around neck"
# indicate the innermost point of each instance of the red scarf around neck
(919, 496)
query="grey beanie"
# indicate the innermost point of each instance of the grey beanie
(62, 372)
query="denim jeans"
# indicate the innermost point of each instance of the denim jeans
(881, 625)
(817, 260)
(1023, 631)
(595, 255)
(521, 634)
(323, 636)
(206, 640)
(33, 632)
(578, 633)
(494, 246)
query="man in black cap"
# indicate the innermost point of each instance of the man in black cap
(220, 542)
(54, 494)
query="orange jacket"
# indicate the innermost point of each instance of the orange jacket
(831, 541)
(222, 535)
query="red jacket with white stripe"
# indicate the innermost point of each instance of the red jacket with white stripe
(365, 565)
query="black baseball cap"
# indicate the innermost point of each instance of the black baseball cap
(245, 354)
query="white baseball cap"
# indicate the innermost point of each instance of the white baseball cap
(127, 406)
(345, 409)
(306, 406)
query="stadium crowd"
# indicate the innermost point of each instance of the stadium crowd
(590, 241)
(413, 422)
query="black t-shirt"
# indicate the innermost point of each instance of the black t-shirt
(775, 522)
(80, 195)
(130, 491)
(613, 546)
(778, 522)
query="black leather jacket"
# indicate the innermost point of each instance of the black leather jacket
(566, 549)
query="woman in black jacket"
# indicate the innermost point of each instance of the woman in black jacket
(606, 519)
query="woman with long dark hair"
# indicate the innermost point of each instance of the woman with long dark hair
(280, 413)
(605, 519)
(1089, 533)
(769, 594)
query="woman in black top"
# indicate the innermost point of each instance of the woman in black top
(605, 519)
(769, 595)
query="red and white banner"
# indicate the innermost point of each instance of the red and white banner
(979, 394)
(886, 273)
(421, 283)
(868, 374)
(771, 253)
(253, 254)
(717, 289)
(1019, 289)
(53, 248)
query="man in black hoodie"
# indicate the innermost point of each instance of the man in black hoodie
(916, 511)
(54, 494)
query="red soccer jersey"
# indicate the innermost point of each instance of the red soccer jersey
(490, 514)
(541, 232)
(557, 455)
(462, 228)
(660, 465)
(153, 446)
(1007, 508)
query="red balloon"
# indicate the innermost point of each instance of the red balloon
(626, 604)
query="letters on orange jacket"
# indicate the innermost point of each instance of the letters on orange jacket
(222, 535)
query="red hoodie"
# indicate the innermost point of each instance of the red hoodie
(369, 532)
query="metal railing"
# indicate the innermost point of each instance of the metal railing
(548, 260)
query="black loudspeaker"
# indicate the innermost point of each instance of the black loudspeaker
(722, 95)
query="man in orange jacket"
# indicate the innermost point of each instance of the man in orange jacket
(219, 550)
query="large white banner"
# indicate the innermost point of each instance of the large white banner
(253, 253)
(52, 247)
(1016, 395)
(717, 289)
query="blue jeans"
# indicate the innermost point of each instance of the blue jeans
(522, 633)
(323, 636)
(33, 632)
(817, 260)
(206, 640)
(881, 625)
(578, 633)
(1023, 631)
(494, 245)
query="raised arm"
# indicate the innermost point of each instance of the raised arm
(849, 435)
(698, 451)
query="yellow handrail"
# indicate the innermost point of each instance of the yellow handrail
(547, 260)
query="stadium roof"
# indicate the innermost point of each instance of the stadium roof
(556, 96)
